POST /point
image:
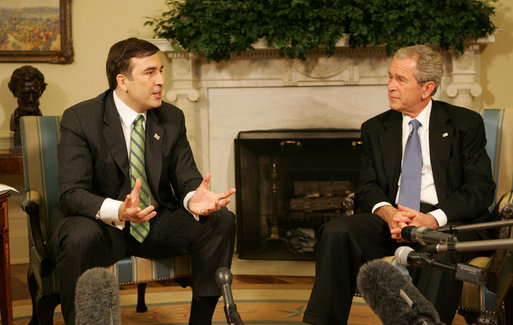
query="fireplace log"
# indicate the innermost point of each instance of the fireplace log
(316, 203)
(322, 188)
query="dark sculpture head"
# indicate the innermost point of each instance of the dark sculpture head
(27, 85)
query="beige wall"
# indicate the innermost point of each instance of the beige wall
(497, 60)
(96, 25)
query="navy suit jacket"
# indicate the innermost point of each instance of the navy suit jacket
(93, 159)
(461, 167)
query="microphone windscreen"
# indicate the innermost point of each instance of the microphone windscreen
(223, 276)
(97, 298)
(402, 253)
(380, 284)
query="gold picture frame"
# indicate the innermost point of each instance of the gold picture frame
(36, 31)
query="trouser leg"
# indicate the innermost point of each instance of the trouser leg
(345, 244)
(212, 249)
(78, 244)
(440, 287)
(210, 241)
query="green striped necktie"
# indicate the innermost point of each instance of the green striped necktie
(138, 170)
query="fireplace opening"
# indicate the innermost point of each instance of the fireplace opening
(290, 182)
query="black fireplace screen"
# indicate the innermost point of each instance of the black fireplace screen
(289, 182)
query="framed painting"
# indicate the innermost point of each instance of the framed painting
(35, 31)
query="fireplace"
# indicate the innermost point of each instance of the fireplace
(261, 90)
(289, 182)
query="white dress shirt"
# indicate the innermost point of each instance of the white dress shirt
(427, 191)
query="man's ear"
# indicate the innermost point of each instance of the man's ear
(122, 81)
(428, 89)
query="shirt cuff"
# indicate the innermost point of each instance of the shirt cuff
(186, 204)
(109, 213)
(379, 205)
(440, 217)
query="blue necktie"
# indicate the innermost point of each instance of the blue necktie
(409, 194)
(138, 170)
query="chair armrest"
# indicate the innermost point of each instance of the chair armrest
(31, 204)
(348, 204)
(505, 206)
(504, 210)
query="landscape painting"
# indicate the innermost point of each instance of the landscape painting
(35, 31)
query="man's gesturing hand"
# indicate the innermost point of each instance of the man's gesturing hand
(130, 210)
(204, 202)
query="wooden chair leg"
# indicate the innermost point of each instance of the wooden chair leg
(141, 304)
(508, 308)
(46, 307)
(43, 307)
(32, 284)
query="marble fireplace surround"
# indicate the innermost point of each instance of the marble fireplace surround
(259, 90)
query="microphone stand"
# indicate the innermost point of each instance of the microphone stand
(453, 229)
(232, 315)
(471, 246)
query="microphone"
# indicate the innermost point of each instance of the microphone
(406, 256)
(471, 246)
(425, 235)
(393, 297)
(224, 281)
(97, 298)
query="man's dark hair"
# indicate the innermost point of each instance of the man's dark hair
(26, 73)
(118, 60)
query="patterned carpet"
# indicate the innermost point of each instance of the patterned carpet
(260, 305)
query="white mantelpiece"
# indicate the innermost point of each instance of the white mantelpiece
(260, 90)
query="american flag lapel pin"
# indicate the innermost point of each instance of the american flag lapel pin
(445, 135)
(156, 136)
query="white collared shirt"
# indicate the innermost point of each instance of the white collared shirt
(428, 190)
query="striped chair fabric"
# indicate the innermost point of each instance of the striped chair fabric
(499, 136)
(40, 136)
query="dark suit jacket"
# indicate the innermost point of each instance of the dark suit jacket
(93, 159)
(461, 167)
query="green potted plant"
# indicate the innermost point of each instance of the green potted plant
(221, 28)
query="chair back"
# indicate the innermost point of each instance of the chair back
(499, 135)
(39, 138)
(499, 146)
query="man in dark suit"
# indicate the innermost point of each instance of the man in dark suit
(456, 187)
(98, 216)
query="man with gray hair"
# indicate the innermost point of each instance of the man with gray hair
(424, 163)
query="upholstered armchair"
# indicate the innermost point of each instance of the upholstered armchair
(492, 303)
(40, 136)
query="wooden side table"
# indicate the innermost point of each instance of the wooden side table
(10, 163)
(5, 271)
